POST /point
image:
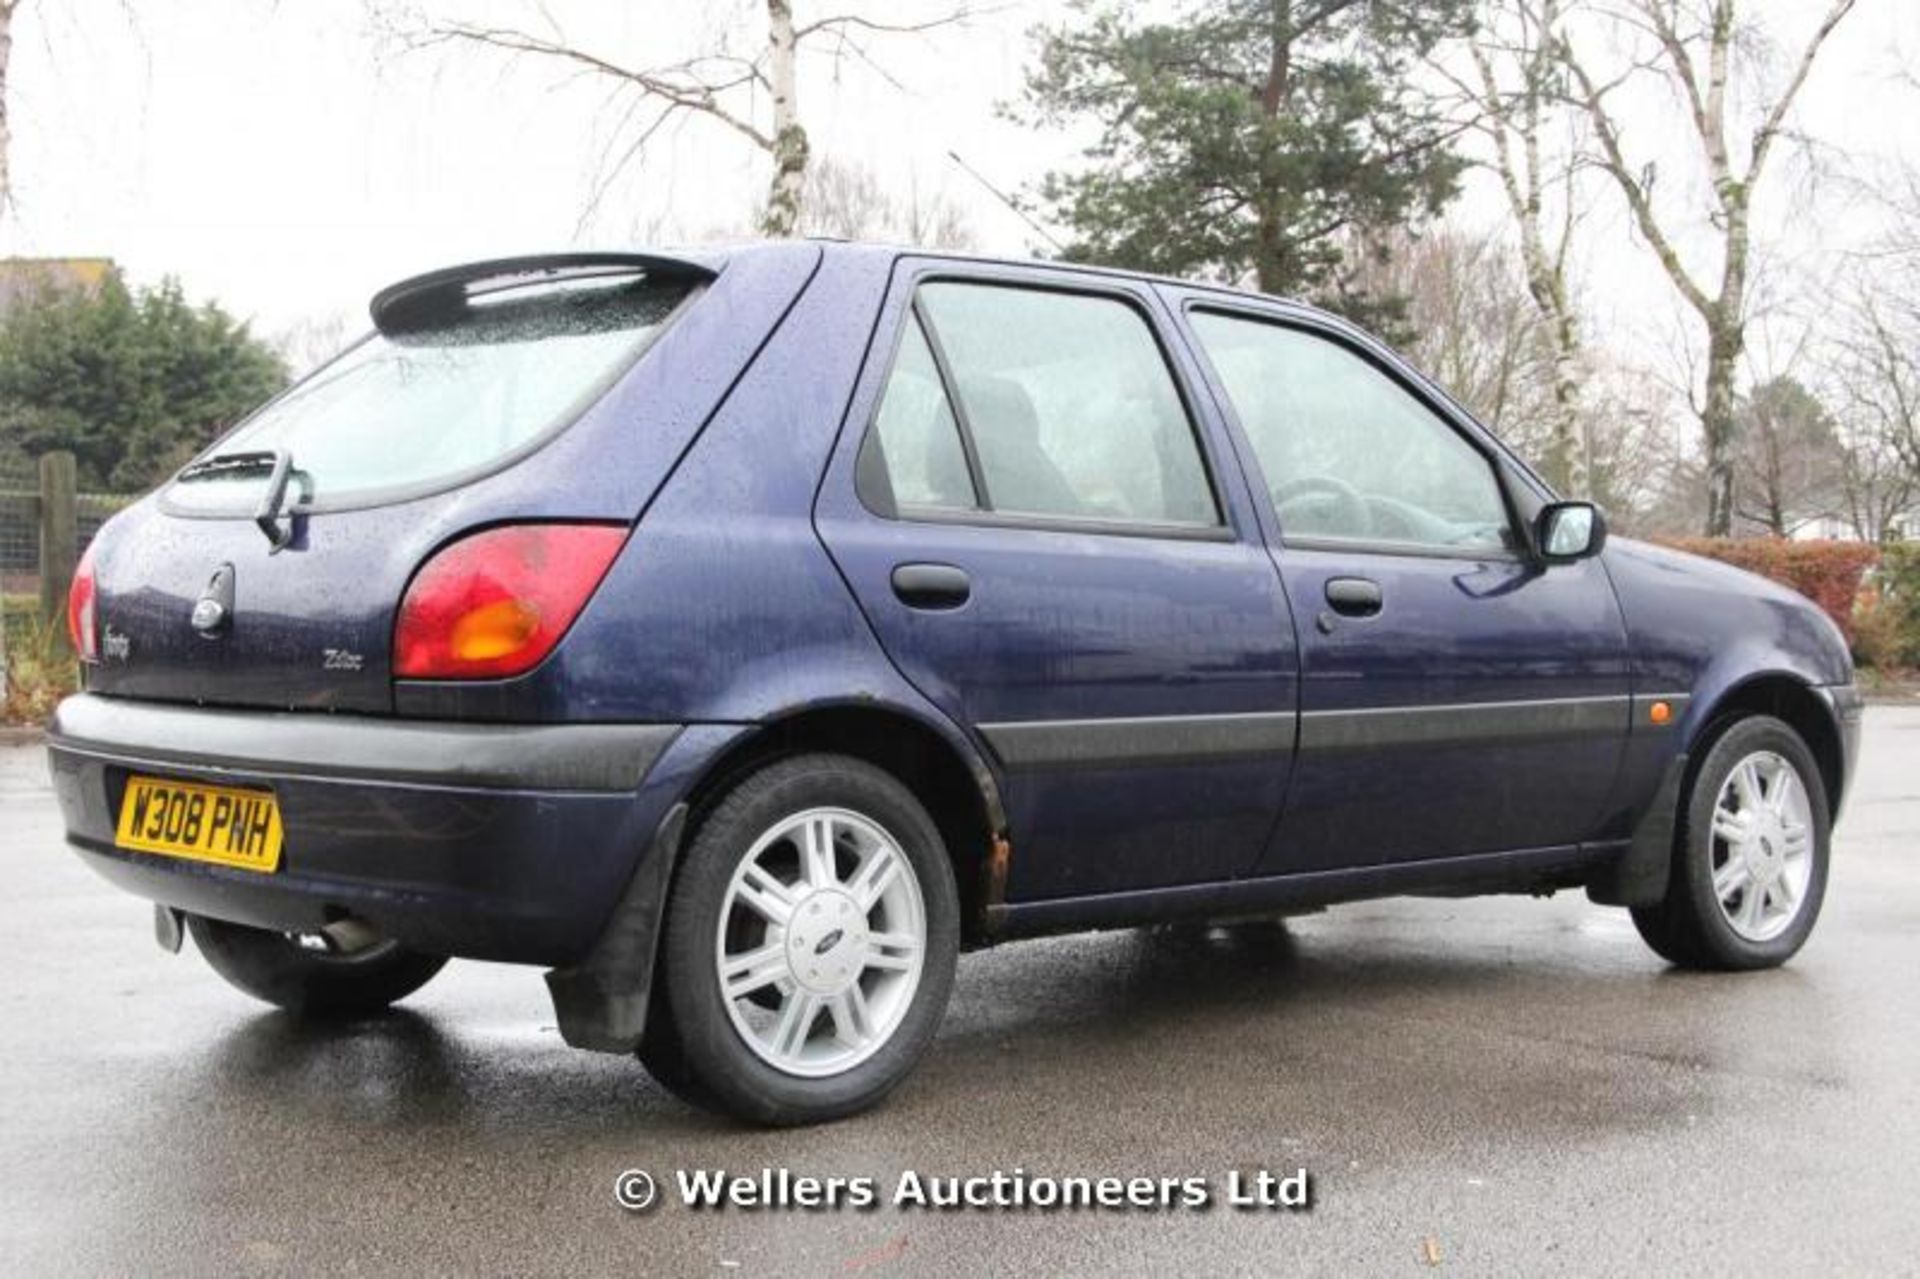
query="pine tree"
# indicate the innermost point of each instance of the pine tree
(1252, 140)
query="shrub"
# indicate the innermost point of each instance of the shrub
(1896, 585)
(1877, 641)
(40, 671)
(1828, 573)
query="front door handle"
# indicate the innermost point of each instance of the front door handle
(1354, 596)
(932, 586)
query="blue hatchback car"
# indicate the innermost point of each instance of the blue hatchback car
(741, 635)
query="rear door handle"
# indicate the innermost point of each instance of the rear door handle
(932, 586)
(1354, 596)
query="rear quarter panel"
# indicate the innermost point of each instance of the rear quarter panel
(725, 607)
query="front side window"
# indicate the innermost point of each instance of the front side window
(1064, 401)
(1348, 453)
(408, 409)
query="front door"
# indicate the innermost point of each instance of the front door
(1035, 524)
(1457, 697)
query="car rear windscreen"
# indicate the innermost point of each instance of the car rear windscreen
(428, 408)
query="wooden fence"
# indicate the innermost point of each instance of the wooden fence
(45, 523)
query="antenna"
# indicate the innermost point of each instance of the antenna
(1007, 200)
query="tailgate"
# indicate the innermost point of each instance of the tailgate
(565, 393)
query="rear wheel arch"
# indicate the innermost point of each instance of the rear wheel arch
(1792, 701)
(948, 777)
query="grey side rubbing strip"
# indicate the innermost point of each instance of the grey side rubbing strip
(1094, 743)
(1378, 728)
(585, 757)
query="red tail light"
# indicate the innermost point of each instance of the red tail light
(83, 621)
(495, 603)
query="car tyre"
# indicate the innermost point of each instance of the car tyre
(851, 987)
(1751, 854)
(308, 982)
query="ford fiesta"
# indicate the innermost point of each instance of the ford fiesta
(739, 636)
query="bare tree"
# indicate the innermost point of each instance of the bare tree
(1873, 367)
(1787, 458)
(1516, 102)
(308, 343)
(755, 99)
(7, 9)
(1691, 45)
(848, 201)
(1879, 492)
(1879, 368)
(1629, 445)
(1470, 324)
(1477, 329)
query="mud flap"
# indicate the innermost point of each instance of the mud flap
(1639, 877)
(601, 1003)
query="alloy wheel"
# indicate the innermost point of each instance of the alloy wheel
(822, 934)
(1762, 846)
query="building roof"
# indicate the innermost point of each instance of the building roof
(20, 277)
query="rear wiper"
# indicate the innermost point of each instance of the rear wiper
(224, 464)
(277, 463)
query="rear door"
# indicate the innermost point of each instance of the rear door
(1053, 548)
(1457, 697)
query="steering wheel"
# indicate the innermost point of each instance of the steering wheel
(1348, 509)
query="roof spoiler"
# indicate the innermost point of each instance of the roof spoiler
(440, 296)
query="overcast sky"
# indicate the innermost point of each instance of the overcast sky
(286, 160)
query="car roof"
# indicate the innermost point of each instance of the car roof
(710, 260)
(714, 255)
(713, 258)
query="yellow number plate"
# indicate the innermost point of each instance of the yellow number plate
(218, 824)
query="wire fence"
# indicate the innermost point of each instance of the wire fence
(19, 527)
(22, 525)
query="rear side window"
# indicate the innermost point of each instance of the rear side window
(430, 406)
(915, 438)
(1036, 402)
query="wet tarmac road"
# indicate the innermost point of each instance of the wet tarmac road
(1506, 1086)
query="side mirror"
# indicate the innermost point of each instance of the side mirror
(1569, 531)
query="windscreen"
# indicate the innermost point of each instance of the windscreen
(405, 412)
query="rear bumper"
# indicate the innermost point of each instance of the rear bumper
(507, 842)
